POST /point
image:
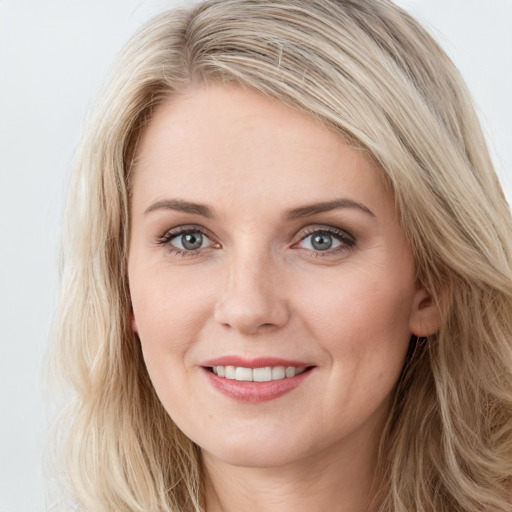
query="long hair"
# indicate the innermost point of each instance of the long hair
(368, 70)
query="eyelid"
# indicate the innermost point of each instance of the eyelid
(322, 228)
(170, 234)
(346, 239)
(184, 229)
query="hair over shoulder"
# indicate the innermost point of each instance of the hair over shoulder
(368, 70)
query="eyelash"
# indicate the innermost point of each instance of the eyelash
(181, 231)
(347, 241)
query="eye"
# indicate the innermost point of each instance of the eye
(328, 240)
(186, 241)
(189, 241)
(320, 242)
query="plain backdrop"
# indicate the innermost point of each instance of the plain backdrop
(54, 56)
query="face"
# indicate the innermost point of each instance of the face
(273, 289)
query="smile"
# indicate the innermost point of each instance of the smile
(255, 380)
(264, 374)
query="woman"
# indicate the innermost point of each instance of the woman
(287, 278)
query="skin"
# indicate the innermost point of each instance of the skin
(257, 287)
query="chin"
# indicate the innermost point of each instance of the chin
(261, 451)
(253, 456)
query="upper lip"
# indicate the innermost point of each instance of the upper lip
(257, 362)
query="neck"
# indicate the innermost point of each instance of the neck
(328, 481)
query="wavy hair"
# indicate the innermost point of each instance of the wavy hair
(371, 72)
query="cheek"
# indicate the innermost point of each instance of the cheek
(361, 318)
(166, 303)
(359, 302)
(170, 310)
(167, 317)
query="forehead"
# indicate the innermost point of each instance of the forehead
(226, 143)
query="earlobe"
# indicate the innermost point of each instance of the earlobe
(426, 316)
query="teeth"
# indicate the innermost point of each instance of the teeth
(290, 372)
(243, 373)
(265, 374)
(278, 372)
(262, 374)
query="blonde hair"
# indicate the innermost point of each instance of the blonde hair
(367, 69)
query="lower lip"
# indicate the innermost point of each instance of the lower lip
(254, 392)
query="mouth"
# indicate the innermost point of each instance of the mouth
(255, 380)
(259, 374)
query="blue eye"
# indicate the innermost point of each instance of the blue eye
(326, 240)
(185, 241)
(189, 241)
(321, 241)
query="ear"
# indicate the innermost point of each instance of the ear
(426, 316)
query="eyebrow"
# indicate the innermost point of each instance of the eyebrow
(180, 206)
(316, 208)
(295, 213)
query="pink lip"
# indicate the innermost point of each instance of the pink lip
(259, 362)
(254, 392)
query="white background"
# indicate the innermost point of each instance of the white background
(54, 55)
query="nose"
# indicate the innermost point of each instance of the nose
(253, 299)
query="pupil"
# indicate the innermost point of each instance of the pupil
(322, 242)
(192, 241)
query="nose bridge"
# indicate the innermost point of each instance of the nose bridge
(252, 298)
